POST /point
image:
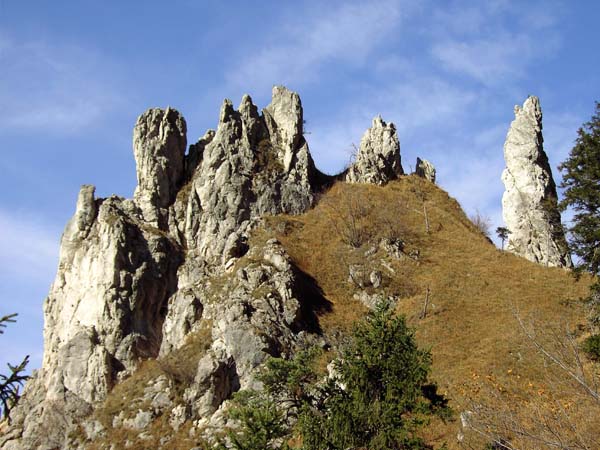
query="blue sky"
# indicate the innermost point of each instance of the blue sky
(74, 76)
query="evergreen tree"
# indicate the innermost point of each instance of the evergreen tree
(262, 423)
(380, 396)
(581, 183)
(502, 233)
(10, 384)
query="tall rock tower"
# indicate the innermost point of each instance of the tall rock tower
(529, 203)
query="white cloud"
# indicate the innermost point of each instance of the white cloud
(346, 34)
(58, 89)
(28, 247)
(494, 42)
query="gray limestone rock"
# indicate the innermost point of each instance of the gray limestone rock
(392, 247)
(253, 165)
(136, 277)
(159, 145)
(425, 169)
(529, 202)
(378, 158)
(375, 277)
(103, 313)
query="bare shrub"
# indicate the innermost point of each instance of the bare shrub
(482, 222)
(349, 217)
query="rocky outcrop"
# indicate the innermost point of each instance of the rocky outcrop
(252, 165)
(425, 169)
(103, 314)
(378, 157)
(529, 203)
(137, 277)
(159, 145)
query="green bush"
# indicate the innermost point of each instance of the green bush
(379, 397)
(10, 384)
(591, 346)
(262, 424)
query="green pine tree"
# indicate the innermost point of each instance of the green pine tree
(10, 384)
(581, 184)
(381, 395)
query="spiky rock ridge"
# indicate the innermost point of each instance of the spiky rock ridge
(529, 203)
(134, 275)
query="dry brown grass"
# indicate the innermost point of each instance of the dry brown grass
(480, 354)
(475, 288)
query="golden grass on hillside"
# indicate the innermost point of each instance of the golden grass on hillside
(482, 359)
(476, 291)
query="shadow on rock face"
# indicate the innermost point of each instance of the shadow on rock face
(312, 303)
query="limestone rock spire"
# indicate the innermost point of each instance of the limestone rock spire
(159, 144)
(529, 203)
(425, 169)
(378, 158)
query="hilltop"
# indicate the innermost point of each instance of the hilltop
(236, 249)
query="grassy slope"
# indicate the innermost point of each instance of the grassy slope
(476, 289)
(470, 327)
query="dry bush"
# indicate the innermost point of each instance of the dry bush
(482, 222)
(349, 217)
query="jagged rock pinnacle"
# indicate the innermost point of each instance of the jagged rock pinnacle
(252, 165)
(159, 144)
(136, 278)
(378, 158)
(425, 169)
(529, 202)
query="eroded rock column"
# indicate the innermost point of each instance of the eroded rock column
(529, 203)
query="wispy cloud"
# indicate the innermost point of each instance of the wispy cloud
(347, 34)
(54, 88)
(28, 246)
(495, 42)
(413, 104)
(492, 60)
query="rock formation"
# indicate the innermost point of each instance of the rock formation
(136, 277)
(139, 278)
(252, 165)
(529, 203)
(378, 158)
(425, 169)
(159, 145)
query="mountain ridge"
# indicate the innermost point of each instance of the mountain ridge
(182, 266)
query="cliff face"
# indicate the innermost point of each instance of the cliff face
(529, 204)
(137, 277)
